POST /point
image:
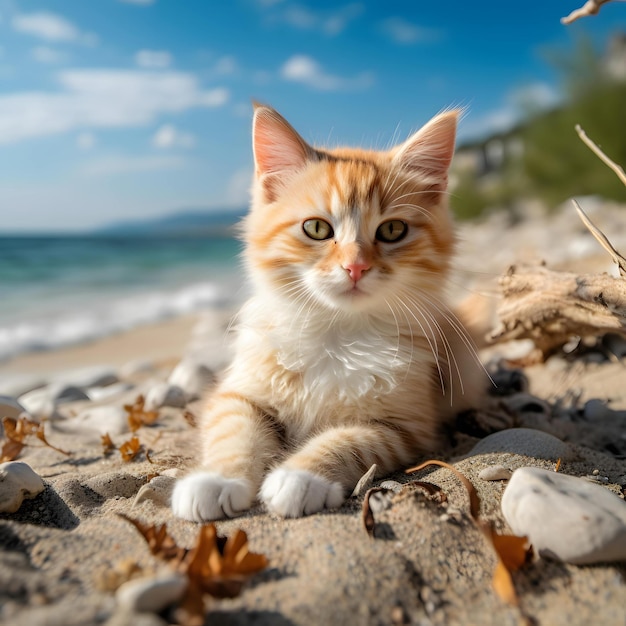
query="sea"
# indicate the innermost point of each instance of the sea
(61, 290)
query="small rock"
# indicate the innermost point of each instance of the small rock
(159, 490)
(101, 419)
(527, 403)
(595, 409)
(164, 394)
(392, 485)
(151, 595)
(192, 377)
(525, 441)
(495, 472)
(44, 402)
(98, 394)
(566, 517)
(18, 481)
(365, 482)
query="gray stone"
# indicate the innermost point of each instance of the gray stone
(495, 472)
(43, 402)
(151, 595)
(18, 481)
(192, 377)
(566, 517)
(101, 419)
(525, 441)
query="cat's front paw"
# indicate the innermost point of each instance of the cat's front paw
(206, 496)
(294, 493)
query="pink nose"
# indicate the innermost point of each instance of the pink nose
(356, 270)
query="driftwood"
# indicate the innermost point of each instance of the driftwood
(591, 7)
(550, 308)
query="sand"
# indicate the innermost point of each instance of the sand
(426, 564)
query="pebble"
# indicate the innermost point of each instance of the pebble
(527, 403)
(101, 419)
(18, 481)
(192, 377)
(98, 394)
(526, 441)
(43, 402)
(495, 472)
(158, 490)
(164, 394)
(151, 595)
(595, 409)
(566, 517)
(10, 407)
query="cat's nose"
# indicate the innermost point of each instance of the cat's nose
(356, 270)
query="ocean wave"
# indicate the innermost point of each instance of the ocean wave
(99, 317)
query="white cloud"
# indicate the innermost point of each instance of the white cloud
(102, 99)
(534, 96)
(48, 55)
(168, 136)
(403, 32)
(86, 141)
(330, 23)
(51, 27)
(306, 70)
(226, 65)
(120, 164)
(154, 59)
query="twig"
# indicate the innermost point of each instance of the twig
(591, 7)
(614, 166)
(602, 239)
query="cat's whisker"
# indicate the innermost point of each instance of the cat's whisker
(412, 342)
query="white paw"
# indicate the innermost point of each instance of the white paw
(206, 496)
(293, 493)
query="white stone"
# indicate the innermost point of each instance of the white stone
(192, 377)
(18, 481)
(44, 402)
(495, 472)
(101, 419)
(151, 595)
(98, 394)
(566, 517)
(525, 441)
(164, 394)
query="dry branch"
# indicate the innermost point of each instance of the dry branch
(551, 307)
(591, 7)
(600, 154)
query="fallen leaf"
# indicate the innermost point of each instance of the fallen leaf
(190, 418)
(130, 449)
(557, 467)
(216, 565)
(107, 444)
(138, 416)
(376, 499)
(16, 431)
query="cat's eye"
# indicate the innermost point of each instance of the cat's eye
(392, 231)
(318, 229)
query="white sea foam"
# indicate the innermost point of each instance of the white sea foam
(99, 315)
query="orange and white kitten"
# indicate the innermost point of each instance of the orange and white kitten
(347, 354)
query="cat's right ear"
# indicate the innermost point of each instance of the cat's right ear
(278, 149)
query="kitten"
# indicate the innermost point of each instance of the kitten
(347, 354)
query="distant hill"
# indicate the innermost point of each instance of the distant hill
(183, 222)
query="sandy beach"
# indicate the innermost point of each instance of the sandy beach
(65, 552)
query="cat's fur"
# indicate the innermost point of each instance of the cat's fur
(347, 355)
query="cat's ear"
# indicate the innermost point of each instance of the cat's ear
(278, 149)
(428, 152)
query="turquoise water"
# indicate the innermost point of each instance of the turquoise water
(57, 291)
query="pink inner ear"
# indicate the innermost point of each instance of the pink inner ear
(277, 146)
(429, 151)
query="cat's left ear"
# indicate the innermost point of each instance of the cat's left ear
(429, 151)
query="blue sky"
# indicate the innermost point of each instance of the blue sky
(113, 109)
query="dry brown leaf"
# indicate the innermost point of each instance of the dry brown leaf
(130, 449)
(107, 444)
(557, 467)
(190, 418)
(216, 565)
(138, 416)
(16, 431)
